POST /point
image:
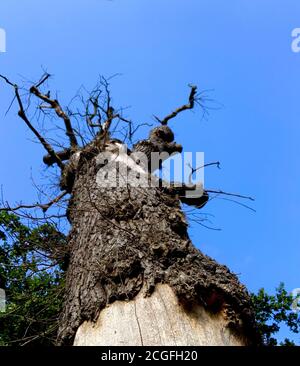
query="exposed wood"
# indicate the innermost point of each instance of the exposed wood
(158, 320)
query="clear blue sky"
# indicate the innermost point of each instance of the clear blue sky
(239, 48)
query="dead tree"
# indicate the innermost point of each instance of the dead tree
(133, 276)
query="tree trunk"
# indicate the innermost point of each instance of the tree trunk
(134, 277)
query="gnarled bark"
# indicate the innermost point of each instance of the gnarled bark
(126, 239)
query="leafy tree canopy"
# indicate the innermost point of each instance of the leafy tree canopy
(32, 279)
(272, 311)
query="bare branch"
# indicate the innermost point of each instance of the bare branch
(90, 117)
(44, 206)
(7, 81)
(63, 155)
(238, 203)
(229, 194)
(54, 104)
(217, 163)
(189, 105)
(44, 77)
(22, 114)
(193, 170)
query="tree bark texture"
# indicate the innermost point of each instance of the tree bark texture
(126, 242)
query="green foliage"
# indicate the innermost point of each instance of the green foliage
(272, 311)
(32, 279)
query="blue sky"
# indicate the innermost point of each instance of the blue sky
(241, 49)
